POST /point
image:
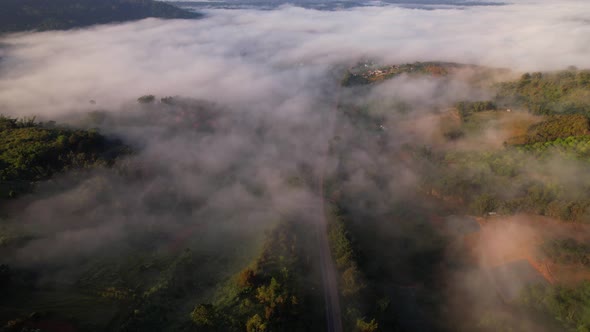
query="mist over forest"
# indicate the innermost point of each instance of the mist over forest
(307, 166)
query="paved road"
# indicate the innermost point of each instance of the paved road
(330, 282)
(328, 268)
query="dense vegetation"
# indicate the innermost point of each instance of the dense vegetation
(517, 178)
(152, 281)
(395, 292)
(572, 147)
(274, 294)
(563, 92)
(554, 127)
(508, 182)
(466, 108)
(32, 151)
(540, 170)
(139, 292)
(21, 15)
(567, 305)
(567, 251)
(353, 287)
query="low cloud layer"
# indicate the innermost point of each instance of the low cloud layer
(271, 79)
(269, 58)
(274, 77)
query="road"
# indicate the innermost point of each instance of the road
(328, 268)
(330, 283)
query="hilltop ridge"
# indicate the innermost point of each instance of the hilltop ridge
(43, 15)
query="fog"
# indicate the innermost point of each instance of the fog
(264, 58)
(272, 82)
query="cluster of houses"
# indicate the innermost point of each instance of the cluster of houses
(381, 71)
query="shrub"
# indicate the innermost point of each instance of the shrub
(203, 315)
(247, 278)
(558, 126)
(255, 324)
(147, 99)
(364, 326)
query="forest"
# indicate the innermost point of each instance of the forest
(40, 15)
(34, 151)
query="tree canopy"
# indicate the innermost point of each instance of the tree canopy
(32, 151)
(41, 15)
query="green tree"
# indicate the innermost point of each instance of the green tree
(483, 204)
(351, 281)
(204, 315)
(256, 324)
(364, 326)
(247, 278)
(147, 99)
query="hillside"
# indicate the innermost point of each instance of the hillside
(32, 152)
(42, 15)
